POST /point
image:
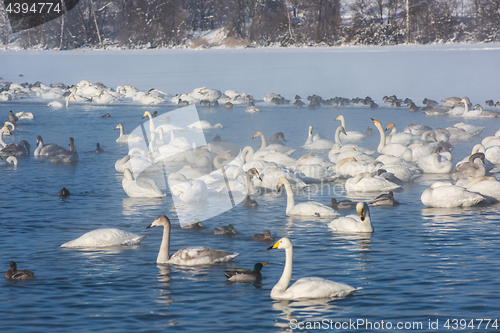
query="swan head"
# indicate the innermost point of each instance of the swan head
(339, 117)
(310, 129)
(362, 210)
(283, 243)
(478, 107)
(147, 113)
(118, 126)
(161, 220)
(390, 125)
(258, 133)
(282, 181)
(254, 173)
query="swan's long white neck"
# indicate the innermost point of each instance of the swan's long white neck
(2, 131)
(437, 162)
(247, 154)
(393, 131)
(466, 103)
(342, 120)
(478, 148)
(381, 145)
(282, 284)
(121, 130)
(309, 137)
(151, 123)
(290, 200)
(163, 255)
(337, 135)
(264, 142)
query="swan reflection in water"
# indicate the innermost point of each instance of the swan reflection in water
(164, 280)
(312, 310)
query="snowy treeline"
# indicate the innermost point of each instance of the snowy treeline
(170, 23)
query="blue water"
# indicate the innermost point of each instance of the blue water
(420, 265)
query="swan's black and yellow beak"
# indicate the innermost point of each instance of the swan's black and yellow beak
(361, 212)
(144, 116)
(375, 121)
(274, 246)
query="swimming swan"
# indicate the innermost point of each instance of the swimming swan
(317, 142)
(188, 256)
(203, 124)
(366, 182)
(393, 149)
(105, 237)
(141, 187)
(307, 287)
(446, 195)
(43, 150)
(349, 135)
(16, 149)
(354, 223)
(2, 131)
(126, 138)
(64, 155)
(310, 208)
(9, 161)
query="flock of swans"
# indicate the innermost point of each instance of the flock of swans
(212, 169)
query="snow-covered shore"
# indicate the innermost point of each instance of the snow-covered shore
(433, 71)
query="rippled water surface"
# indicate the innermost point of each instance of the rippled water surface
(420, 264)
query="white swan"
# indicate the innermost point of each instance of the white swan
(393, 149)
(105, 237)
(2, 131)
(190, 190)
(488, 187)
(9, 161)
(446, 195)
(366, 182)
(167, 128)
(354, 223)
(126, 138)
(24, 115)
(458, 110)
(310, 208)
(141, 187)
(470, 114)
(188, 256)
(43, 150)
(281, 148)
(349, 135)
(317, 142)
(279, 158)
(307, 287)
(434, 163)
(203, 124)
(401, 138)
(417, 130)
